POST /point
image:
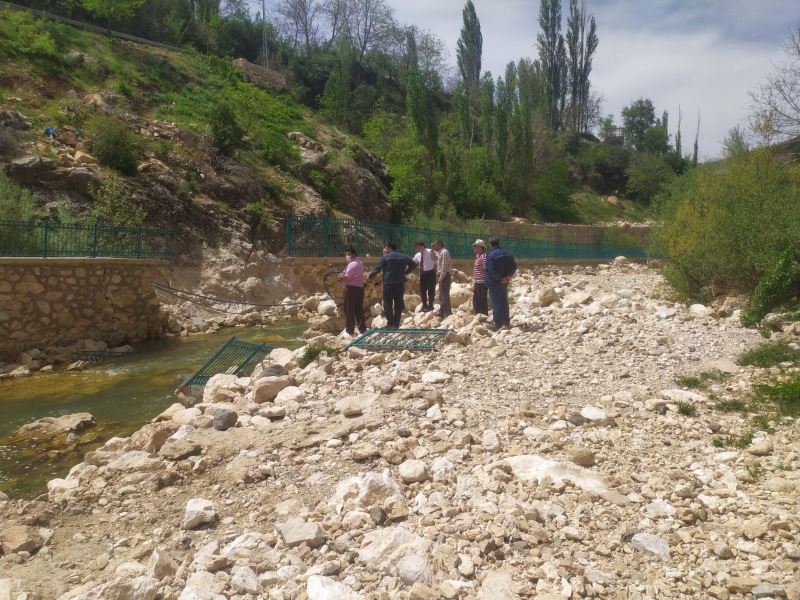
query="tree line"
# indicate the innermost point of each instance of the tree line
(459, 143)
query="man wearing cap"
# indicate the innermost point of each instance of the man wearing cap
(480, 303)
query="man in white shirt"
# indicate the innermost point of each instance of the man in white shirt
(426, 261)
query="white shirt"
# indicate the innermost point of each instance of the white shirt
(430, 259)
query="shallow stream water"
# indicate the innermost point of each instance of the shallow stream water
(122, 394)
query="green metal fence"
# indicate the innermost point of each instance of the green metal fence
(315, 236)
(33, 238)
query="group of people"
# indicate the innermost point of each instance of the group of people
(491, 274)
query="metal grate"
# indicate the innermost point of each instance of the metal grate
(234, 358)
(399, 339)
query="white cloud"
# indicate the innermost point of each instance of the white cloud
(703, 54)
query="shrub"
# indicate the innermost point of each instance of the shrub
(731, 406)
(769, 355)
(312, 351)
(603, 167)
(18, 204)
(648, 174)
(225, 129)
(775, 287)
(553, 193)
(24, 35)
(114, 144)
(723, 226)
(113, 205)
(687, 409)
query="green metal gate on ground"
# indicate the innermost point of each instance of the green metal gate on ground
(234, 358)
(316, 236)
(399, 339)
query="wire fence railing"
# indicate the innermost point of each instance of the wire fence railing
(95, 240)
(319, 236)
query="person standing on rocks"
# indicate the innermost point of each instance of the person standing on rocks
(444, 278)
(394, 266)
(425, 258)
(353, 278)
(480, 302)
(500, 267)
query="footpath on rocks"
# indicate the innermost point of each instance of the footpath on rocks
(558, 459)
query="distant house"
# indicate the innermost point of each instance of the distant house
(615, 137)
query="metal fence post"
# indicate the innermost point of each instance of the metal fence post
(139, 242)
(325, 229)
(44, 241)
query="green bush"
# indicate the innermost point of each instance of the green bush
(225, 128)
(648, 174)
(312, 351)
(776, 287)
(24, 35)
(553, 193)
(603, 167)
(114, 144)
(722, 226)
(17, 204)
(113, 205)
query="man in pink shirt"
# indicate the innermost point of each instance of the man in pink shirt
(353, 277)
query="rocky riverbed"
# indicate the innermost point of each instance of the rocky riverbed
(547, 461)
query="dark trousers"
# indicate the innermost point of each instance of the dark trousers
(498, 293)
(445, 310)
(393, 304)
(480, 303)
(354, 309)
(427, 287)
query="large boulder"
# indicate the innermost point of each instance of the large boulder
(49, 427)
(20, 538)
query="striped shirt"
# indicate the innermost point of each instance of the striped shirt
(443, 263)
(479, 271)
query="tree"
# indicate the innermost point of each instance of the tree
(369, 20)
(581, 45)
(112, 10)
(337, 14)
(637, 119)
(469, 50)
(777, 102)
(225, 129)
(301, 20)
(678, 149)
(696, 140)
(735, 143)
(552, 55)
(420, 106)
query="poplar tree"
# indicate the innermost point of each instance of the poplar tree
(552, 55)
(581, 40)
(468, 53)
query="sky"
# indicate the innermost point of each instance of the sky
(700, 55)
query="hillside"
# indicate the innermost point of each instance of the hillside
(83, 84)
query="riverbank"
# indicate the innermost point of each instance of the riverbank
(122, 394)
(553, 460)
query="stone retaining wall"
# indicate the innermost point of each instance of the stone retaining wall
(59, 302)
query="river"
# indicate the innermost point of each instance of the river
(122, 394)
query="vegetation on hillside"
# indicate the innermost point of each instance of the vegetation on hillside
(734, 225)
(461, 142)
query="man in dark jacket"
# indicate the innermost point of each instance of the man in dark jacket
(394, 266)
(500, 266)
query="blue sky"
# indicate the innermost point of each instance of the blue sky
(703, 55)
